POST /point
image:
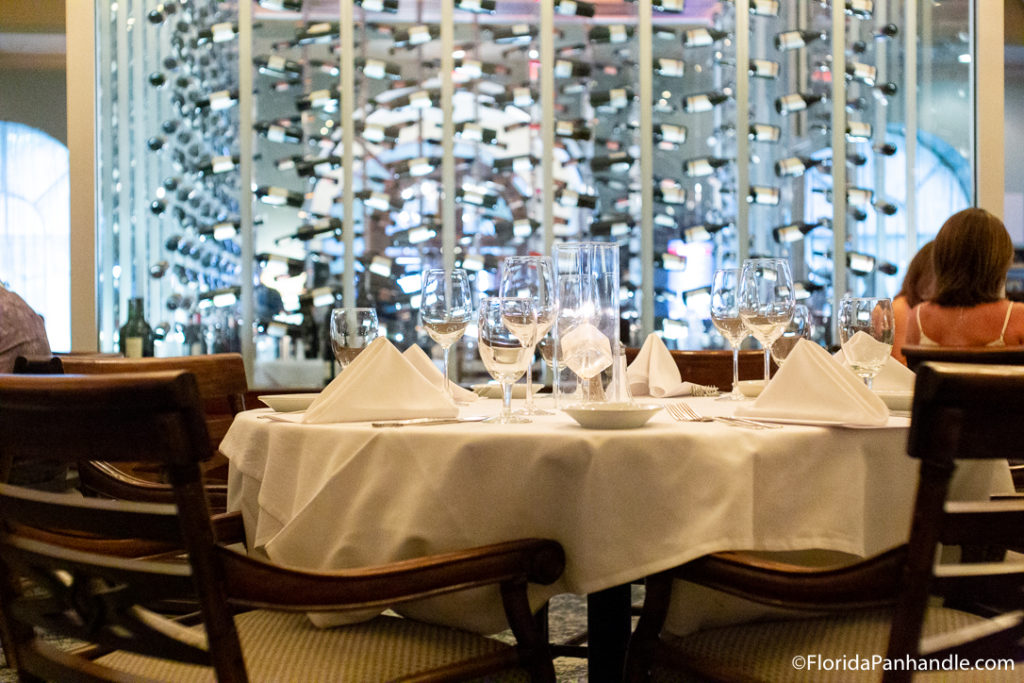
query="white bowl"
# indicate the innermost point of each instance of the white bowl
(493, 390)
(288, 403)
(897, 400)
(612, 415)
(751, 388)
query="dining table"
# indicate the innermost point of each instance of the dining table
(623, 503)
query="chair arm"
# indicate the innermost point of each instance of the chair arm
(228, 527)
(870, 583)
(107, 480)
(254, 583)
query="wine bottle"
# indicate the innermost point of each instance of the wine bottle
(317, 166)
(386, 6)
(574, 8)
(702, 37)
(218, 164)
(796, 102)
(277, 66)
(617, 225)
(669, 194)
(475, 197)
(861, 72)
(136, 336)
(615, 98)
(416, 167)
(669, 133)
(415, 36)
(702, 102)
(860, 263)
(217, 33)
(571, 198)
(217, 101)
(571, 68)
(667, 6)
(518, 164)
(281, 5)
(573, 130)
(476, 6)
(474, 132)
(764, 8)
(702, 232)
(858, 131)
(885, 208)
(669, 68)
(326, 98)
(520, 228)
(764, 132)
(378, 69)
(794, 232)
(884, 91)
(616, 162)
(886, 32)
(473, 69)
(796, 39)
(512, 34)
(612, 33)
(670, 261)
(375, 132)
(886, 149)
(279, 196)
(763, 195)
(318, 33)
(277, 133)
(306, 232)
(794, 166)
(703, 166)
(861, 9)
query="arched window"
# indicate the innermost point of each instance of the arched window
(35, 219)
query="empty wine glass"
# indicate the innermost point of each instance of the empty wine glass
(766, 301)
(506, 329)
(866, 332)
(446, 307)
(725, 314)
(532, 277)
(798, 327)
(352, 330)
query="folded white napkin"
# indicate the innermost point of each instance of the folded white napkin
(894, 375)
(586, 347)
(811, 385)
(380, 384)
(421, 361)
(654, 372)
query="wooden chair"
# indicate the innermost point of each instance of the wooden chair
(713, 367)
(77, 593)
(963, 354)
(880, 606)
(222, 388)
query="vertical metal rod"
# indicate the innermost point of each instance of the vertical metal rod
(547, 123)
(646, 93)
(987, 84)
(742, 125)
(245, 176)
(346, 104)
(447, 134)
(910, 117)
(838, 161)
(133, 262)
(881, 17)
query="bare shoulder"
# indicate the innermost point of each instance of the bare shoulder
(1015, 326)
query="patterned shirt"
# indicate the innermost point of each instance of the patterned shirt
(22, 332)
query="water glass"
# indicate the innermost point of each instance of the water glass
(446, 307)
(506, 330)
(867, 329)
(352, 330)
(798, 328)
(766, 301)
(725, 314)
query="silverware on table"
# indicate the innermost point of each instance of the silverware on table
(683, 412)
(425, 421)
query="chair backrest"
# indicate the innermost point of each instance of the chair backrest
(962, 412)
(219, 376)
(963, 354)
(89, 595)
(712, 367)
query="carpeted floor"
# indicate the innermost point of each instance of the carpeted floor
(567, 622)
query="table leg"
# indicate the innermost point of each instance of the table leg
(608, 625)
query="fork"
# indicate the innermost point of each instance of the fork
(683, 412)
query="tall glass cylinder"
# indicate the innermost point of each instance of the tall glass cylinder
(587, 327)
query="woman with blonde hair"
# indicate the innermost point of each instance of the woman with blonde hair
(972, 255)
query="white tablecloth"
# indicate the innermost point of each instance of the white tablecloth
(622, 503)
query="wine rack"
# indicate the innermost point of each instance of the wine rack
(266, 162)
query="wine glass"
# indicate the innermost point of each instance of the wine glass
(766, 301)
(725, 314)
(532, 277)
(866, 332)
(446, 307)
(798, 328)
(506, 330)
(352, 330)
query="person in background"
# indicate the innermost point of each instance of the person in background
(918, 285)
(972, 255)
(22, 332)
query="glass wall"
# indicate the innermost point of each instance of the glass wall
(692, 135)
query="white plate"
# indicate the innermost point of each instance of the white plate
(751, 388)
(897, 400)
(288, 403)
(493, 390)
(612, 415)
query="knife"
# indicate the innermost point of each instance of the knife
(429, 421)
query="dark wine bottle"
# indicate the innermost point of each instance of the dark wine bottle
(617, 225)
(518, 164)
(277, 133)
(474, 197)
(763, 68)
(886, 32)
(571, 198)
(670, 261)
(319, 227)
(571, 68)
(515, 96)
(794, 232)
(669, 133)
(217, 33)
(704, 166)
(136, 336)
(763, 195)
(702, 232)
(884, 91)
(318, 33)
(476, 6)
(796, 102)
(794, 166)
(886, 149)
(616, 162)
(614, 98)
(378, 69)
(861, 72)
(669, 68)
(473, 69)
(416, 167)
(513, 34)
(317, 166)
(796, 39)
(218, 164)
(326, 98)
(861, 9)
(669, 194)
(378, 201)
(374, 132)
(764, 132)
(279, 196)
(574, 8)
(277, 66)
(474, 132)
(702, 37)
(217, 101)
(885, 208)
(612, 33)
(386, 6)
(573, 130)
(702, 102)
(858, 131)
